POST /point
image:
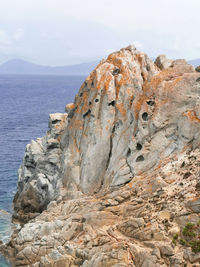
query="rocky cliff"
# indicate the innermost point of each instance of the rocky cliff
(116, 178)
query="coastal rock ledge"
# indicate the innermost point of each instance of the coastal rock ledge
(116, 180)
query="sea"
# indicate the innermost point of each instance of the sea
(25, 104)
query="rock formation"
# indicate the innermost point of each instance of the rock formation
(39, 175)
(117, 176)
(162, 62)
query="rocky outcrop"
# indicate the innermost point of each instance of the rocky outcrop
(126, 119)
(40, 173)
(117, 173)
(140, 224)
(103, 123)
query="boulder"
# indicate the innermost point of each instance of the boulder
(162, 62)
(194, 205)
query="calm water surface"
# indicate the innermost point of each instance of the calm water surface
(25, 104)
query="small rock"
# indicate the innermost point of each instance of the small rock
(174, 230)
(69, 107)
(166, 250)
(164, 215)
(156, 252)
(162, 62)
(192, 257)
(128, 227)
(149, 262)
(194, 205)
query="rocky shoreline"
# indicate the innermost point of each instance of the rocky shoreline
(115, 181)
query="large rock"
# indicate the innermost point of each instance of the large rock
(127, 118)
(116, 174)
(40, 173)
(132, 226)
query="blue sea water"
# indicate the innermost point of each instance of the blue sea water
(25, 104)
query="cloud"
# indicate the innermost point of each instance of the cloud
(18, 34)
(65, 32)
(138, 44)
(4, 38)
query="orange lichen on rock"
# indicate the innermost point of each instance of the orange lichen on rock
(154, 83)
(90, 78)
(75, 145)
(139, 58)
(105, 77)
(129, 162)
(77, 124)
(162, 163)
(171, 85)
(191, 114)
(121, 109)
(70, 106)
(107, 82)
(85, 102)
(138, 104)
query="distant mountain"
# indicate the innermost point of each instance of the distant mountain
(18, 66)
(194, 62)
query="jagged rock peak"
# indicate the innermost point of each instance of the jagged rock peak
(127, 119)
(101, 114)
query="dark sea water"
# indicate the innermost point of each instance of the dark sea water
(25, 105)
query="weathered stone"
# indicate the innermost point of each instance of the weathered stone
(69, 107)
(166, 250)
(71, 230)
(114, 99)
(194, 205)
(156, 252)
(129, 227)
(174, 230)
(162, 62)
(39, 174)
(110, 181)
(164, 215)
(192, 257)
(149, 262)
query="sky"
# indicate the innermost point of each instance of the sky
(66, 32)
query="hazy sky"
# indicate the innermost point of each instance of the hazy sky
(62, 32)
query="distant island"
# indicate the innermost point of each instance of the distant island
(19, 66)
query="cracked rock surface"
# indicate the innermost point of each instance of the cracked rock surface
(117, 175)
